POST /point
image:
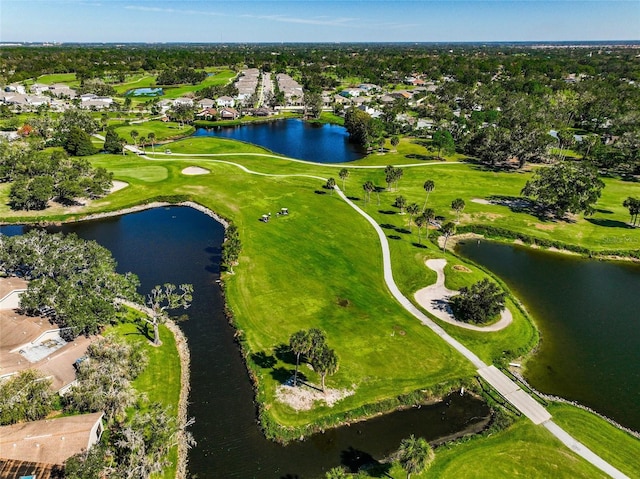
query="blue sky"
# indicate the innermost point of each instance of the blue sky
(317, 20)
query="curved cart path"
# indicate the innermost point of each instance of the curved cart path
(507, 388)
(434, 299)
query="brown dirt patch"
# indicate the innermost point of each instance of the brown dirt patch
(462, 269)
(303, 397)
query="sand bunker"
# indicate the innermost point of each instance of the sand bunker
(481, 201)
(435, 299)
(118, 185)
(195, 170)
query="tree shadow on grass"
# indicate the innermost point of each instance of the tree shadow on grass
(388, 226)
(283, 353)
(519, 204)
(356, 460)
(319, 192)
(419, 245)
(604, 212)
(608, 223)
(404, 231)
(394, 237)
(417, 156)
(281, 374)
(387, 212)
(353, 198)
(264, 360)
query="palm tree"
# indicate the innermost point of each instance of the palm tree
(401, 202)
(134, 134)
(413, 209)
(415, 455)
(447, 230)
(331, 183)
(428, 186)
(324, 362)
(152, 138)
(420, 222)
(395, 141)
(458, 205)
(343, 174)
(368, 187)
(429, 215)
(300, 343)
(336, 473)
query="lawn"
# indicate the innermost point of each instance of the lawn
(160, 381)
(619, 448)
(162, 130)
(218, 79)
(522, 450)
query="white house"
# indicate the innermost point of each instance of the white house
(206, 103)
(225, 102)
(183, 100)
(39, 88)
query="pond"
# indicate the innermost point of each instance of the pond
(320, 143)
(587, 312)
(145, 92)
(181, 245)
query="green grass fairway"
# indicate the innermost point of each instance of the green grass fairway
(218, 79)
(522, 450)
(617, 447)
(162, 130)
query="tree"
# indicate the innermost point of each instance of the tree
(458, 205)
(324, 361)
(413, 209)
(78, 143)
(134, 135)
(300, 343)
(76, 278)
(165, 298)
(87, 464)
(429, 215)
(25, 396)
(103, 380)
(443, 141)
(428, 186)
(478, 304)
(231, 248)
(331, 183)
(343, 174)
(420, 222)
(337, 473)
(112, 142)
(447, 230)
(368, 187)
(313, 104)
(633, 205)
(415, 455)
(401, 202)
(565, 188)
(360, 126)
(142, 445)
(152, 139)
(395, 141)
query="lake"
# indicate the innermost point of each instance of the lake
(182, 245)
(320, 143)
(588, 316)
